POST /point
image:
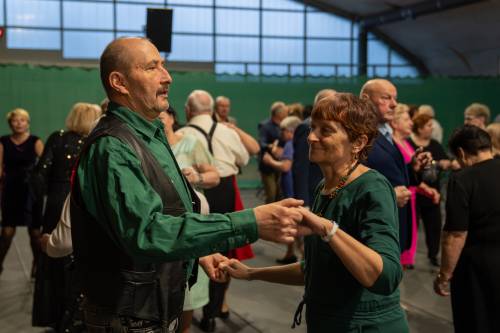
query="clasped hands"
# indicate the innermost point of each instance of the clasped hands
(279, 222)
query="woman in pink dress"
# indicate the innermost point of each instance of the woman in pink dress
(402, 129)
(402, 125)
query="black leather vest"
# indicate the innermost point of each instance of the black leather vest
(112, 279)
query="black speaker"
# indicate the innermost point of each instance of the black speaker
(159, 28)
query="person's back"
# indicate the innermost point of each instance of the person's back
(480, 185)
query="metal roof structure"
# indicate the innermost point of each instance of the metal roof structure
(439, 37)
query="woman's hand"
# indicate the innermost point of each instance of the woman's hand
(236, 269)
(442, 285)
(44, 240)
(313, 224)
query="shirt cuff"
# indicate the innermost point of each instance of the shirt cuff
(244, 226)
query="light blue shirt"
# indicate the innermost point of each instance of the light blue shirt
(386, 131)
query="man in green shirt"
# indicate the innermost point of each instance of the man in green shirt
(135, 233)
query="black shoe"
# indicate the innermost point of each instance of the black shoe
(287, 260)
(434, 262)
(224, 315)
(207, 324)
(409, 266)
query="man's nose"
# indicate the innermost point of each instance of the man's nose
(166, 78)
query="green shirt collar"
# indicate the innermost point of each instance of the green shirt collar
(147, 128)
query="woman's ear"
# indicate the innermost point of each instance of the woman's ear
(359, 143)
(118, 83)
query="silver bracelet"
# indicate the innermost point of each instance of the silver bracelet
(326, 238)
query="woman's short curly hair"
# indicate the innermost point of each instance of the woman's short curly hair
(357, 116)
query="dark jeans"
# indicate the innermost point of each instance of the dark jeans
(98, 320)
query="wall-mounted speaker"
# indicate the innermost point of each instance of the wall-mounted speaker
(159, 28)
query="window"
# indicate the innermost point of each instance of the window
(327, 25)
(234, 21)
(29, 13)
(19, 38)
(85, 44)
(191, 48)
(239, 3)
(283, 24)
(2, 22)
(131, 17)
(241, 49)
(86, 15)
(270, 37)
(192, 19)
(325, 51)
(279, 50)
(282, 4)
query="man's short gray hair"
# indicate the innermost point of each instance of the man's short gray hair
(322, 94)
(221, 98)
(200, 101)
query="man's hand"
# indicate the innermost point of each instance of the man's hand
(277, 222)
(44, 240)
(191, 175)
(402, 195)
(210, 265)
(421, 159)
(236, 269)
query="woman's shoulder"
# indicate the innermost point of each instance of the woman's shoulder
(372, 183)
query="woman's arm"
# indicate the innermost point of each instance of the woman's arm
(251, 145)
(209, 176)
(288, 274)
(452, 245)
(363, 263)
(38, 147)
(282, 166)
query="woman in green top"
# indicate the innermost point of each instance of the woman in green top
(351, 269)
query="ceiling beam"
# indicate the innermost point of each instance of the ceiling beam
(412, 12)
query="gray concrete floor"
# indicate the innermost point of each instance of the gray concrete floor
(255, 306)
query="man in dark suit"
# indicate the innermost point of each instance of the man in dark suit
(386, 158)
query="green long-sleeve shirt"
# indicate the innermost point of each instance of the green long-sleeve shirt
(116, 192)
(366, 210)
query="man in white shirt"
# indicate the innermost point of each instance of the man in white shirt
(229, 153)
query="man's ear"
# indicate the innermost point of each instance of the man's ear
(364, 96)
(118, 83)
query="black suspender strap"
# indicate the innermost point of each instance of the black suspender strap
(208, 136)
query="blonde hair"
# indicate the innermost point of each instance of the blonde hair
(296, 109)
(426, 109)
(479, 111)
(400, 110)
(82, 117)
(18, 112)
(494, 132)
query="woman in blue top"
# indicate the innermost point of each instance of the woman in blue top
(351, 269)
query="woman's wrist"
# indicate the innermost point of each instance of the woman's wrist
(331, 228)
(443, 277)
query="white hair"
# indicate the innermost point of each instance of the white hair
(200, 101)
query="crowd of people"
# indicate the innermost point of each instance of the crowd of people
(135, 221)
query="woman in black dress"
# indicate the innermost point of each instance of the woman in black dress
(51, 177)
(18, 154)
(471, 237)
(428, 209)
